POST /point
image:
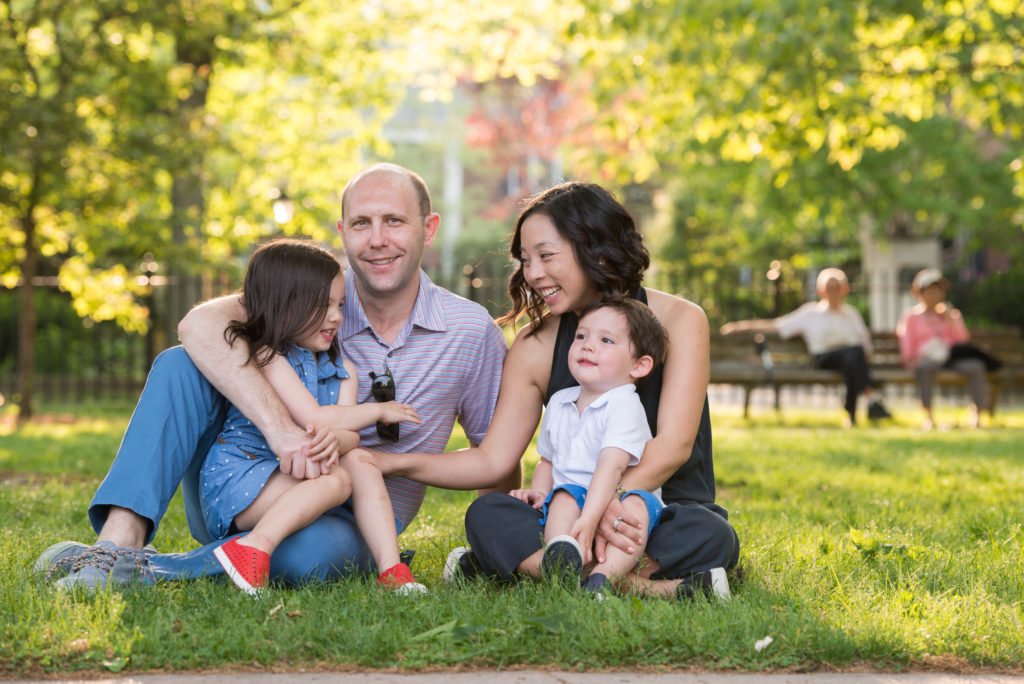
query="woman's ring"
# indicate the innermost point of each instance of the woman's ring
(615, 525)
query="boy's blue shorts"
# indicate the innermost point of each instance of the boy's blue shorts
(654, 506)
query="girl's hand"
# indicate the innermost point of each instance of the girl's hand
(324, 449)
(530, 496)
(393, 412)
(622, 535)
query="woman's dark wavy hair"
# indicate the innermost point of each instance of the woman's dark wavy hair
(286, 292)
(604, 238)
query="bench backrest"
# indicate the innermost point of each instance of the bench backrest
(1005, 344)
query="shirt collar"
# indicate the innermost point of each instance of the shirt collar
(325, 368)
(427, 312)
(571, 394)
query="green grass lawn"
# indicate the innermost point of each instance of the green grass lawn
(878, 547)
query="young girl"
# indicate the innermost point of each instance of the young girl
(293, 295)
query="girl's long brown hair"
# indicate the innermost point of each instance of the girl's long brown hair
(286, 292)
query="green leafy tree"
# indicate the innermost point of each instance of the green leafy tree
(64, 170)
(162, 132)
(799, 121)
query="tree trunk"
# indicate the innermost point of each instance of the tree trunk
(187, 201)
(27, 321)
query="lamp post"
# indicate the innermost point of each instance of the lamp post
(284, 208)
(774, 276)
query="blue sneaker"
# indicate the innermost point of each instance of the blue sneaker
(104, 564)
(58, 559)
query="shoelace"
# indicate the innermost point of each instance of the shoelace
(97, 557)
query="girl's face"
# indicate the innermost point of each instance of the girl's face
(320, 336)
(550, 266)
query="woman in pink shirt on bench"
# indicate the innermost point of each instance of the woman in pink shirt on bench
(930, 332)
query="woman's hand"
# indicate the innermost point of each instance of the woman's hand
(618, 528)
(530, 496)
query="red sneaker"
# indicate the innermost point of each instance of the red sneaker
(247, 567)
(399, 579)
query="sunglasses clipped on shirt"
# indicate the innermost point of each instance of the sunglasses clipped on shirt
(383, 389)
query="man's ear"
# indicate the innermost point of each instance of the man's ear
(431, 223)
(641, 367)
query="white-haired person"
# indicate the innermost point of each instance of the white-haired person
(836, 337)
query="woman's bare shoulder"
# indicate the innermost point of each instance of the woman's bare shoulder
(531, 352)
(674, 311)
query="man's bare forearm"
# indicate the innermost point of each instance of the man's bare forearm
(227, 367)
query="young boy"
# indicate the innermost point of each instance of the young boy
(590, 434)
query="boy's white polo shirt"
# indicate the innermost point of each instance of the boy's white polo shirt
(572, 442)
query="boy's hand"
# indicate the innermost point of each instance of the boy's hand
(393, 412)
(623, 534)
(530, 496)
(583, 531)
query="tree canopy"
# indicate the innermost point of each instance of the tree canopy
(161, 133)
(813, 116)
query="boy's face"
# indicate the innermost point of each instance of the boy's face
(602, 357)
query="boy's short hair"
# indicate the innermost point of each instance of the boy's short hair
(646, 333)
(828, 274)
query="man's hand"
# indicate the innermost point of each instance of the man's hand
(291, 447)
(622, 535)
(530, 496)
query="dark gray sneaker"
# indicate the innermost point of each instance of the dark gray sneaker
(563, 560)
(877, 410)
(711, 582)
(105, 563)
(460, 565)
(597, 585)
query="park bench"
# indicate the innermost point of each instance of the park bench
(752, 360)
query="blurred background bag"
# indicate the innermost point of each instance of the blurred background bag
(966, 350)
(935, 350)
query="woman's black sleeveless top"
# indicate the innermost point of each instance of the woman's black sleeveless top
(694, 482)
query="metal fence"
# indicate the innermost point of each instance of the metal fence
(81, 360)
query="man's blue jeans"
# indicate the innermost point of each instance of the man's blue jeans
(178, 417)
